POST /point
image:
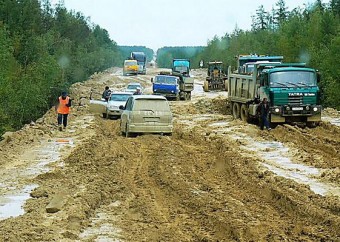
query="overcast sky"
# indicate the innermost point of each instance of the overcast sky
(159, 23)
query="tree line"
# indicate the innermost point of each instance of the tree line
(44, 50)
(126, 51)
(310, 34)
(165, 55)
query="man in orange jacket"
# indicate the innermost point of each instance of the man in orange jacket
(63, 109)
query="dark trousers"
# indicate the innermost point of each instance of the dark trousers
(264, 122)
(62, 119)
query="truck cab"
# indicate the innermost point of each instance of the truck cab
(291, 89)
(292, 92)
(166, 85)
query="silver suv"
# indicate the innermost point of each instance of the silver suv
(146, 114)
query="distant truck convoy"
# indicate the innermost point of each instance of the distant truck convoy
(246, 63)
(140, 57)
(176, 84)
(291, 90)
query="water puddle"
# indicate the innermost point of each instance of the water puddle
(276, 158)
(11, 205)
(14, 189)
(334, 121)
(102, 225)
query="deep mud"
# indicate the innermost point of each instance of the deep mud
(213, 180)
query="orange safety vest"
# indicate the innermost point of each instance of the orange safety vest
(62, 108)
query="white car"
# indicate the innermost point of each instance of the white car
(110, 108)
(132, 87)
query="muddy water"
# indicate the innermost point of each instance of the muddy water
(30, 164)
(276, 158)
(334, 121)
(101, 228)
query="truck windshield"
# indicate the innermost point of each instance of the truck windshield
(292, 78)
(166, 80)
(131, 63)
(181, 69)
(119, 97)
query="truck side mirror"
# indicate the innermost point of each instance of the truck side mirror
(318, 77)
(121, 107)
(261, 80)
(151, 79)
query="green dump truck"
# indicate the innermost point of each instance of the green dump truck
(291, 89)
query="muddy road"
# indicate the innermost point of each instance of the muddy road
(215, 179)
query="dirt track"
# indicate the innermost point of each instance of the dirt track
(215, 179)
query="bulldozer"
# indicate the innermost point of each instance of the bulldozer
(216, 79)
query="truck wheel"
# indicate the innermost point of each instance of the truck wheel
(206, 86)
(178, 98)
(236, 110)
(189, 95)
(244, 113)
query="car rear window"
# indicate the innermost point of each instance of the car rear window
(151, 104)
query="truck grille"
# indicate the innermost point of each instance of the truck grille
(295, 100)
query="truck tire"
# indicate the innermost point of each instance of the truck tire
(236, 110)
(244, 113)
(206, 86)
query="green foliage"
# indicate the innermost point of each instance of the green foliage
(126, 52)
(309, 35)
(42, 52)
(165, 55)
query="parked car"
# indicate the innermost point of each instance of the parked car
(111, 108)
(146, 114)
(132, 87)
(130, 67)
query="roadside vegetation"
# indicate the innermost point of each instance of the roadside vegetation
(310, 34)
(44, 50)
(126, 51)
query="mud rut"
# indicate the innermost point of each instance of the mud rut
(201, 184)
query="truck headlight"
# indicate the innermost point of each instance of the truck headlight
(172, 91)
(277, 110)
(315, 109)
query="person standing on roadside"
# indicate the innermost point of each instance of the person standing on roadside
(106, 94)
(63, 110)
(263, 110)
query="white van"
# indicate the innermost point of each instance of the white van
(146, 114)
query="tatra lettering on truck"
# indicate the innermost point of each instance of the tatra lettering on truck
(291, 89)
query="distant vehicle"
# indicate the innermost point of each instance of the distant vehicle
(246, 63)
(140, 57)
(130, 67)
(111, 108)
(132, 87)
(146, 114)
(216, 79)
